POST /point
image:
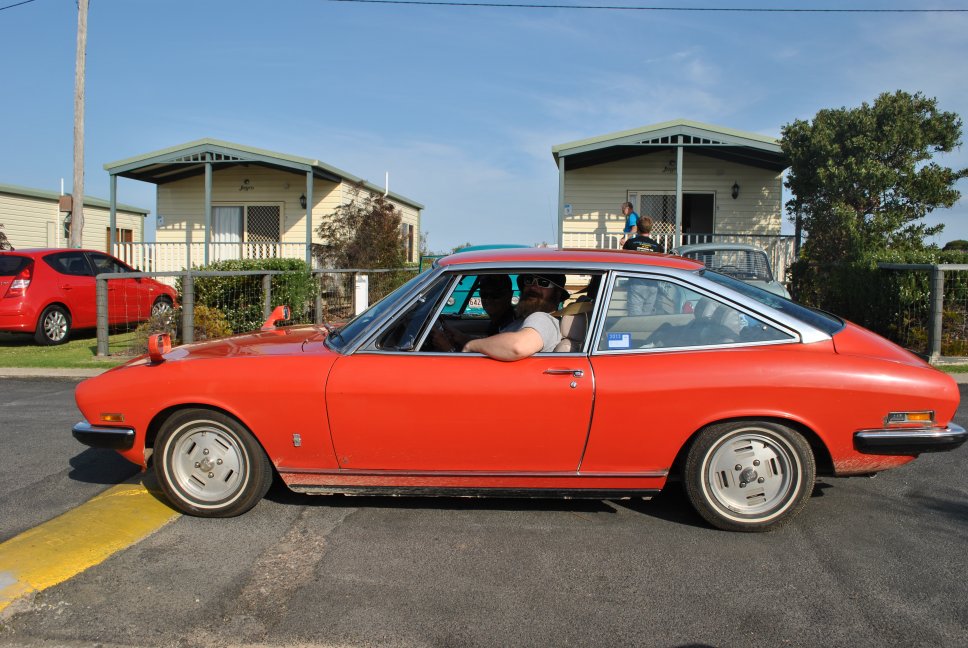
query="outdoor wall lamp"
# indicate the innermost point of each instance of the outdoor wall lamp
(735, 193)
(302, 201)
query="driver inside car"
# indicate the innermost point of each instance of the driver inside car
(534, 329)
(496, 295)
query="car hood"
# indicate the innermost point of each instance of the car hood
(858, 341)
(290, 340)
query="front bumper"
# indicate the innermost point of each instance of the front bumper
(911, 441)
(120, 438)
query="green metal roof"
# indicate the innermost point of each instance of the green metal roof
(188, 160)
(705, 139)
(89, 201)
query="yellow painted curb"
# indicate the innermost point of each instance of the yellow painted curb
(61, 548)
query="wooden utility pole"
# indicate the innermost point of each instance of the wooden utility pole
(77, 214)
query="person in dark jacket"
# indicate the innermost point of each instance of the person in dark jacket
(642, 241)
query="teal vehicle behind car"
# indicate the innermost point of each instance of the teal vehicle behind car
(466, 298)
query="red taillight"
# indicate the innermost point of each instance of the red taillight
(18, 288)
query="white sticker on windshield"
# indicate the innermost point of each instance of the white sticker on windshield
(619, 340)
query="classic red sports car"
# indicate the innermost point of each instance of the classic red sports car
(666, 370)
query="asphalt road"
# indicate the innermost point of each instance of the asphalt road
(869, 562)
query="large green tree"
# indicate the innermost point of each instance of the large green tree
(863, 178)
(363, 233)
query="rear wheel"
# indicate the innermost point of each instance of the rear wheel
(53, 326)
(749, 475)
(209, 465)
(161, 306)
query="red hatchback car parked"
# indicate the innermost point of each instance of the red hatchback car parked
(50, 292)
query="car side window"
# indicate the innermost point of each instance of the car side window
(69, 263)
(646, 313)
(103, 263)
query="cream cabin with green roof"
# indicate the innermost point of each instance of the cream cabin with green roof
(218, 200)
(698, 182)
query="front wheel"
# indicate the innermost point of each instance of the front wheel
(209, 465)
(749, 475)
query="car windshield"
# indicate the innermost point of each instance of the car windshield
(825, 322)
(747, 265)
(360, 324)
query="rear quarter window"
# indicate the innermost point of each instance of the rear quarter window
(12, 264)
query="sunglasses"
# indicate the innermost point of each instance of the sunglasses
(541, 282)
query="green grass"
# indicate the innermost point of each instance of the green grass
(953, 368)
(80, 352)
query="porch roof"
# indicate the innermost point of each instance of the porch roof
(188, 160)
(704, 139)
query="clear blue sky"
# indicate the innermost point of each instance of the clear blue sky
(460, 105)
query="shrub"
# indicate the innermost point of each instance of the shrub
(210, 324)
(241, 298)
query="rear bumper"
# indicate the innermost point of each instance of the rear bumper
(13, 319)
(120, 438)
(909, 441)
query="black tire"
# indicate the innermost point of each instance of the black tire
(53, 326)
(162, 305)
(749, 475)
(210, 465)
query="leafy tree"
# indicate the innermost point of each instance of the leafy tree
(863, 178)
(363, 233)
(4, 241)
(957, 244)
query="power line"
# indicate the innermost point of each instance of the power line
(17, 4)
(508, 5)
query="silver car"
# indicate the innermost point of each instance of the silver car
(744, 262)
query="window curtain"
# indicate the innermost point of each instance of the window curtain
(226, 233)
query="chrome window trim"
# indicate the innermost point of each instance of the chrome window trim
(691, 278)
(799, 331)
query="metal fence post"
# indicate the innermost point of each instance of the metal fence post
(101, 301)
(267, 294)
(936, 314)
(319, 298)
(361, 292)
(188, 308)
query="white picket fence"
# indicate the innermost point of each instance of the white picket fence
(172, 257)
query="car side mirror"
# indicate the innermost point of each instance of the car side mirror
(280, 314)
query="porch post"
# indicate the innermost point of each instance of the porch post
(309, 219)
(561, 201)
(114, 214)
(677, 240)
(208, 206)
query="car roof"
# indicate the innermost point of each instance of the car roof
(570, 256)
(709, 247)
(37, 251)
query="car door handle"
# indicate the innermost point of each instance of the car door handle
(577, 373)
(66, 287)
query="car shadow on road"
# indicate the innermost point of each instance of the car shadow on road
(670, 505)
(98, 466)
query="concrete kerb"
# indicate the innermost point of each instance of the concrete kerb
(49, 372)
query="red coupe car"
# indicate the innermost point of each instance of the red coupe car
(50, 292)
(667, 370)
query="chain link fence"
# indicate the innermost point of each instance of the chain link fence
(929, 313)
(214, 304)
